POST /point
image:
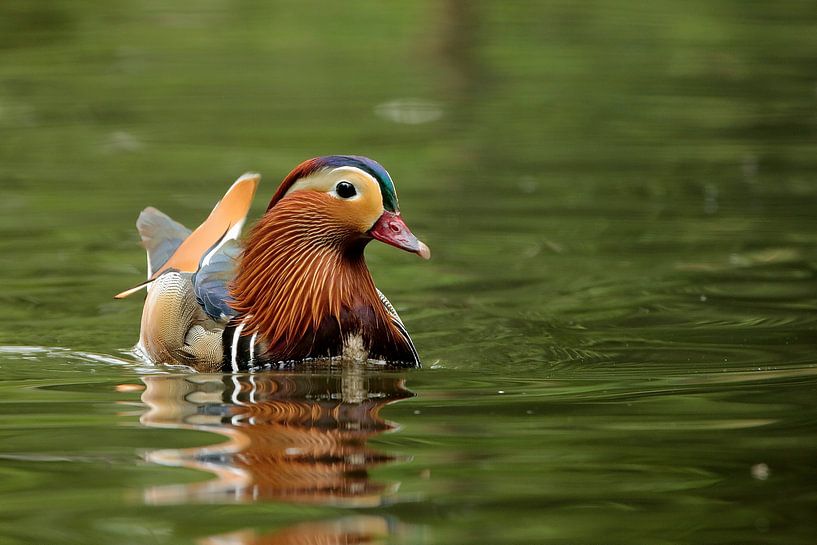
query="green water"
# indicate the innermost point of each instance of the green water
(619, 321)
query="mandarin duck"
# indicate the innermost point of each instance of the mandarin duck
(297, 289)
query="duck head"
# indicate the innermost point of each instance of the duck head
(302, 284)
(359, 200)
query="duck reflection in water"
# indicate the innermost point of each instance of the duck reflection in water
(296, 437)
(342, 531)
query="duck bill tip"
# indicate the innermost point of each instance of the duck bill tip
(392, 230)
(423, 251)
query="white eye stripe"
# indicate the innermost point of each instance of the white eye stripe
(326, 181)
(355, 169)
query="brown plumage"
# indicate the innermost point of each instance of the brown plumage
(303, 285)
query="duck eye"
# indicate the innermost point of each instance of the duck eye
(345, 190)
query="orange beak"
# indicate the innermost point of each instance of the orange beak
(391, 229)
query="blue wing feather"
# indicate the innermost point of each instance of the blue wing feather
(211, 281)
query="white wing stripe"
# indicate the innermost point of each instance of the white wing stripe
(234, 348)
(252, 347)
